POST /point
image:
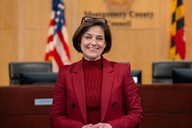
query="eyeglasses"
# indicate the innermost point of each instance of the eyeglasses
(90, 19)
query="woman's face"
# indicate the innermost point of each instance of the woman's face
(93, 43)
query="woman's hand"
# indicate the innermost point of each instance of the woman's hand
(88, 126)
(102, 125)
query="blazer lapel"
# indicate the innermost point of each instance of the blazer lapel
(107, 82)
(79, 87)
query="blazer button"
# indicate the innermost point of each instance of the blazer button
(114, 104)
(73, 105)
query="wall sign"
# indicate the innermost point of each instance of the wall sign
(123, 14)
(123, 19)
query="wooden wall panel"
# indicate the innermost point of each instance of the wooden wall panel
(188, 28)
(8, 36)
(35, 29)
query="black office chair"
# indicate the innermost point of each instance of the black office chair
(15, 68)
(162, 70)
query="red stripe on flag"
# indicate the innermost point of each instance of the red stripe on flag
(64, 44)
(57, 58)
(180, 43)
(50, 38)
(47, 55)
(52, 22)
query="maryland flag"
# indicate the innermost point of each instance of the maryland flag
(177, 50)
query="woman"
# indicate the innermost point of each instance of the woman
(95, 92)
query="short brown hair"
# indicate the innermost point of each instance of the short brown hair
(84, 27)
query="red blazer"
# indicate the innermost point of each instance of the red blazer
(120, 102)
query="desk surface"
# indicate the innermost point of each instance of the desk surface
(163, 105)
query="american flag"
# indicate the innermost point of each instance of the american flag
(57, 50)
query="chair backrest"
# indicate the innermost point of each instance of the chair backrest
(162, 70)
(15, 68)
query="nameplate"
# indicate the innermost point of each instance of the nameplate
(43, 101)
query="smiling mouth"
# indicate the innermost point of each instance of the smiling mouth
(91, 48)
